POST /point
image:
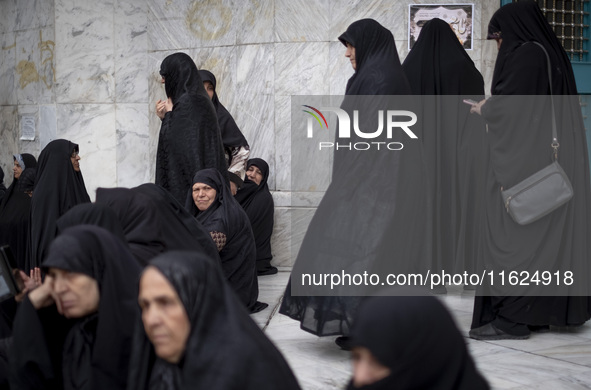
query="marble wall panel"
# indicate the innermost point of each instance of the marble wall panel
(92, 127)
(8, 16)
(301, 68)
(35, 66)
(34, 14)
(256, 21)
(281, 169)
(8, 135)
(26, 146)
(134, 162)
(131, 45)
(289, 230)
(84, 33)
(47, 127)
(301, 20)
(8, 77)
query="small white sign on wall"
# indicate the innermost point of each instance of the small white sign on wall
(28, 128)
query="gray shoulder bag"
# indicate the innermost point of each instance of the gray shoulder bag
(545, 190)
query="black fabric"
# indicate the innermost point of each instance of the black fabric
(224, 215)
(15, 212)
(352, 219)
(257, 202)
(58, 188)
(94, 350)
(453, 143)
(518, 147)
(92, 214)
(2, 186)
(226, 350)
(231, 134)
(189, 137)
(417, 339)
(154, 222)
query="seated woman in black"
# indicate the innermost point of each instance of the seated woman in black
(195, 334)
(410, 342)
(75, 330)
(212, 203)
(256, 200)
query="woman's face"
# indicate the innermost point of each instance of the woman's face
(203, 195)
(78, 294)
(366, 368)
(350, 54)
(209, 88)
(75, 158)
(17, 169)
(254, 174)
(165, 320)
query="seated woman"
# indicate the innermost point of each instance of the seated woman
(256, 200)
(236, 147)
(75, 330)
(15, 208)
(211, 202)
(196, 334)
(407, 342)
(59, 187)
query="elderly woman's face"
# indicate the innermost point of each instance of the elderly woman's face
(77, 294)
(75, 159)
(203, 195)
(209, 88)
(17, 169)
(366, 368)
(165, 319)
(254, 174)
(350, 54)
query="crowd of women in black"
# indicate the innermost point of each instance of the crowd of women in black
(151, 287)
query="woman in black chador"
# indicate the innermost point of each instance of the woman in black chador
(351, 221)
(189, 137)
(407, 342)
(519, 137)
(236, 148)
(74, 332)
(59, 186)
(15, 208)
(210, 201)
(453, 142)
(257, 201)
(196, 335)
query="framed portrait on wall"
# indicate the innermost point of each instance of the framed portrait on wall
(458, 16)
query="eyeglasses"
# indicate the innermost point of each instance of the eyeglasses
(74, 154)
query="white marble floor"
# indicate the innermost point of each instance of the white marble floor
(560, 359)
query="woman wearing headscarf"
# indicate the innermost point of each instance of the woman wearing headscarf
(15, 208)
(257, 201)
(236, 147)
(154, 222)
(519, 137)
(202, 338)
(75, 331)
(59, 186)
(95, 214)
(352, 220)
(210, 201)
(189, 137)
(396, 346)
(453, 142)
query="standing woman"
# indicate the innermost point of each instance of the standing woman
(519, 144)
(189, 137)
(453, 141)
(15, 208)
(236, 148)
(350, 223)
(59, 186)
(257, 201)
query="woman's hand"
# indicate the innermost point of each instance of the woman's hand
(27, 283)
(476, 108)
(43, 295)
(162, 107)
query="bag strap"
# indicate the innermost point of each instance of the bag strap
(555, 145)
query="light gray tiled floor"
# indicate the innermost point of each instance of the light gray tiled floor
(560, 359)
